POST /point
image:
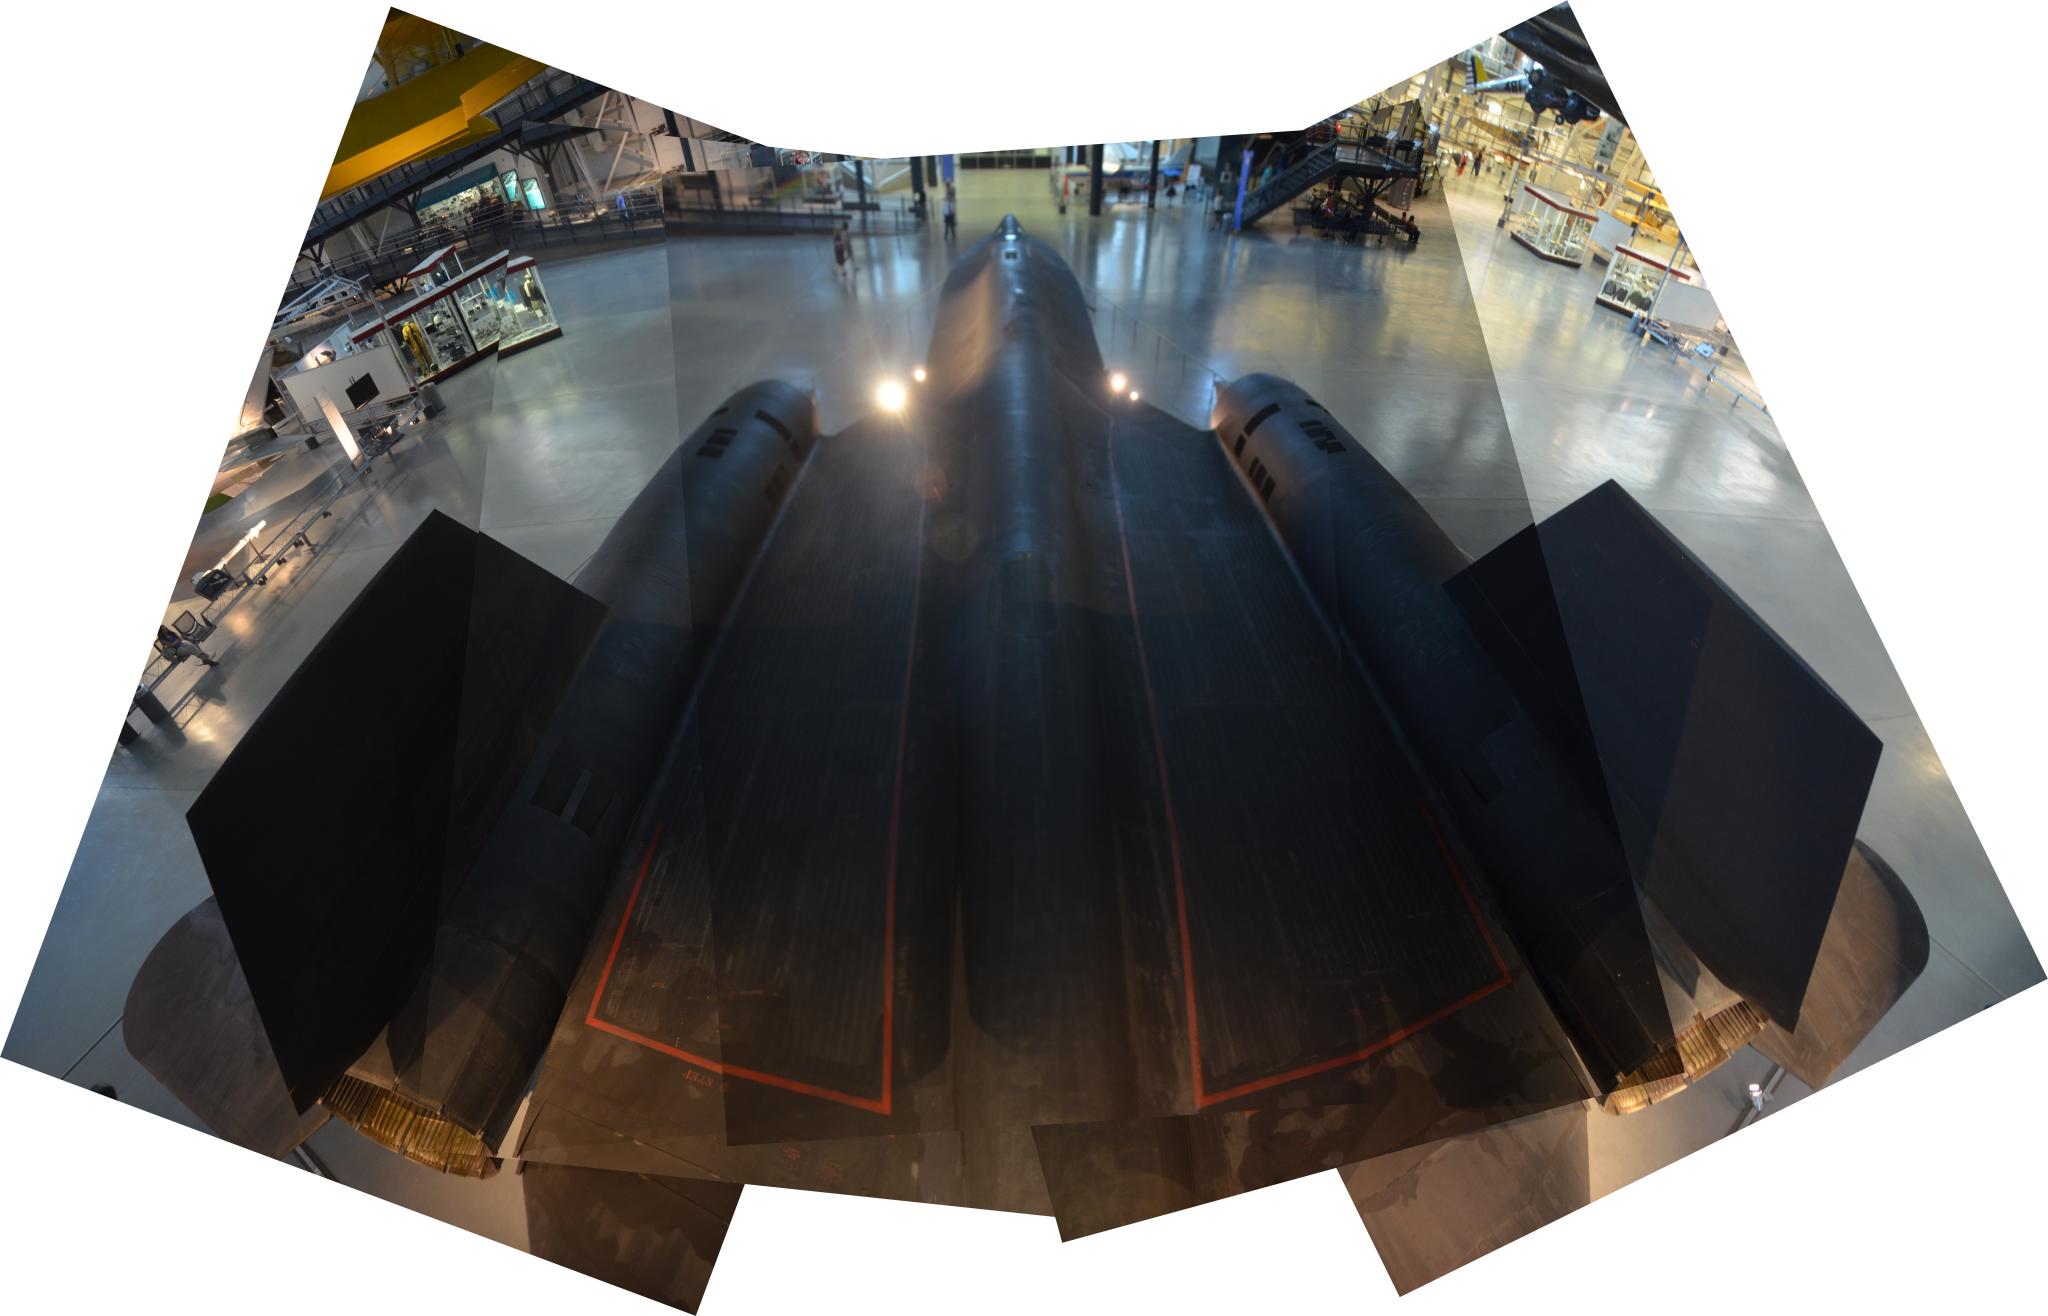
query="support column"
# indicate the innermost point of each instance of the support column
(581, 166)
(1095, 179)
(1244, 178)
(1152, 183)
(689, 162)
(860, 183)
(916, 175)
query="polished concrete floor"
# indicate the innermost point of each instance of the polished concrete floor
(1587, 402)
(1487, 379)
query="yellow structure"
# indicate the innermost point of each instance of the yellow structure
(436, 110)
(1644, 206)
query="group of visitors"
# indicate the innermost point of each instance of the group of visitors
(1331, 210)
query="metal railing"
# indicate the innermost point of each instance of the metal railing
(1383, 156)
(632, 215)
(581, 222)
(1685, 348)
(538, 232)
(528, 97)
(323, 294)
(1160, 370)
(539, 97)
(572, 221)
(778, 215)
(394, 254)
(756, 219)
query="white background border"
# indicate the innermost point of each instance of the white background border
(161, 165)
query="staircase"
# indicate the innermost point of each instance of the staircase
(1376, 159)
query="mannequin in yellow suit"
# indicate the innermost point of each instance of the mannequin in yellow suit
(415, 343)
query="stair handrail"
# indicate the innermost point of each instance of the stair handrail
(1295, 176)
(1258, 202)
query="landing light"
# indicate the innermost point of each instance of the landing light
(1118, 383)
(891, 395)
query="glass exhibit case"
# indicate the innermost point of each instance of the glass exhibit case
(475, 294)
(442, 329)
(1632, 279)
(1550, 226)
(435, 270)
(525, 315)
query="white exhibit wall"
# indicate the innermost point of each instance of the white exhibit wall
(331, 382)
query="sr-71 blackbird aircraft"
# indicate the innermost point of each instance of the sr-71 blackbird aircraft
(1021, 799)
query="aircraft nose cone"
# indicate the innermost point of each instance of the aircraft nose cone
(1010, 228)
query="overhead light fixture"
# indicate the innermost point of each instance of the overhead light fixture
(1134, 395)
(891, 395)
(1118, 383)
(918, 374)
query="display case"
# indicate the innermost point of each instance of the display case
(475, 294)
(442, 329)
(1632, 280)
(436, 269)
(525, 314)
(1550, 226)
